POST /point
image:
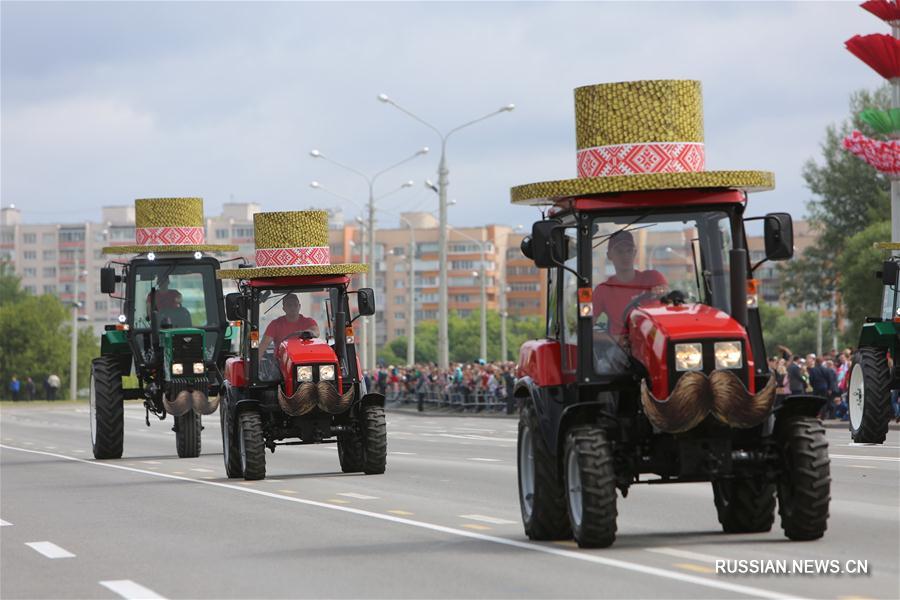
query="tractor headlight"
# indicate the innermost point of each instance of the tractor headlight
(326, 372)
(198, 368)
(688, 357)
(177, 369)
(304, 373)
(728, 355)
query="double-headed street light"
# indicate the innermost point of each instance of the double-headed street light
(370, 180)
(443, 182)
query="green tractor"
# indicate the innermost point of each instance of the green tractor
(174, 332)
(872, 378)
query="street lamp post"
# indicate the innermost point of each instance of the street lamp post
(483, 276)
(73, 356)
(443, 182)
(411, 307)
(370, 180)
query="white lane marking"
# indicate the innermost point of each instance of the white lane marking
(49, 549)
(129, 589)
(487, 519)
(202, 470)
(4, 523)
(151, 462)
(856, 445)
(470, 436)
(684, 554)
(403, 453)
(513, 543)
(486, 459)
(357, 496)
(847, 456)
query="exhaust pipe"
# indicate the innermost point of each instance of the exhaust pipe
(737, 262)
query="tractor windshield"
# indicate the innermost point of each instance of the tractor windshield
(183, 293)
(636, 258)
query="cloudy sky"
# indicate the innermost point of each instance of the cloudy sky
(106, 102)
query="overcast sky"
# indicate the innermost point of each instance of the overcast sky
(106, 102)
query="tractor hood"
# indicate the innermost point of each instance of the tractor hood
(655, 328)
(678, 400)
(298, 398)
(296, 351)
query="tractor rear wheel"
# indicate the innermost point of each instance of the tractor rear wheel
(804, 484)
(869, 396)
(542, 499)
(107, 410)
(590, 487)
(744, 504)
(374, 439)
(231, 447)
(187, 434)
(350, 451)
(252, 445)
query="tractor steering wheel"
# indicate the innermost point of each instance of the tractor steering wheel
(303, 334)
(648, 295)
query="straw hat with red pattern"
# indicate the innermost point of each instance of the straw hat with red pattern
(166, 225)
(290, 244)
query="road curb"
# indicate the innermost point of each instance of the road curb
(829, 424)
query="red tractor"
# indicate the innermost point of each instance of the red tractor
(653, 368)
(297, 379)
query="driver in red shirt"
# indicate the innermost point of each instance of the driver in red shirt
(613, 295)
(292, 321)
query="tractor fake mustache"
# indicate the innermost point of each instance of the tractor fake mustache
(695, 396)
(309, 395)
(185, 400)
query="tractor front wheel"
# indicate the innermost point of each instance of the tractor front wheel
(187, 434)
(804, 485)
(542, 499)
(869, 396)
(590, 487)
(252, 445)
(231, 446)
(107, 410)
(374, 439)
(350, 451)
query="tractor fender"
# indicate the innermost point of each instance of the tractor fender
(799, 405)
(234, 401)
(593, 411)
(372, 399)
(529, 394)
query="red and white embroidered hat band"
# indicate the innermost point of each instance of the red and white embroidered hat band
(164, 225)
(639, 136)
(289, 244)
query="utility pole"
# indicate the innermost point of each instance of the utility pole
(73, 358)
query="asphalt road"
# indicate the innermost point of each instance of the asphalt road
(442, 522)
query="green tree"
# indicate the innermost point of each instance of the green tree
(10, 290)
(858, 263)
(797, 333)
(36, 338)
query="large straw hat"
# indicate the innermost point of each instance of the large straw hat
(290, 244)
(639, 136)
(169, 225)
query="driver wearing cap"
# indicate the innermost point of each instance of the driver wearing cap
(613, 295)
(291, 322)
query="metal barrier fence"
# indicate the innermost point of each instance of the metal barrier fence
(453, 398)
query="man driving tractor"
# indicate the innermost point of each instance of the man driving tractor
(291, 322)
(613, 296)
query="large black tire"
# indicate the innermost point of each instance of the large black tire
(231, 447)
(252, 445)
(542, 498)
(374, 439)
(350, 451)
(590, 487)
(745, 504)
(804, 484)
(187, 434)
(869, 396)
(107, 409)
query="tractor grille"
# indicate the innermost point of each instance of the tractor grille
(187, 348)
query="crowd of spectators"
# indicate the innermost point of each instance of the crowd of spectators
(26, 389)
(476, 385)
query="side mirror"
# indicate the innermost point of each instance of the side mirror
(235, 307)
(889, 273)
(779, 236)
(365, 300)
(107, 280)
(548, 247)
